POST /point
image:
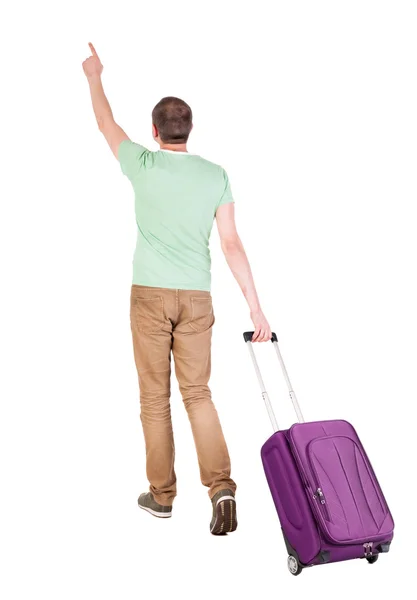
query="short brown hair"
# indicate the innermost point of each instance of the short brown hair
(173, 119)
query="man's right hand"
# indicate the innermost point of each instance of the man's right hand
(262, 331)
(92, 65)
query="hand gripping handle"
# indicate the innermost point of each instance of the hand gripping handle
(247, 336)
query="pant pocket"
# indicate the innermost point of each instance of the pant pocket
(202, 316)
(148, 313)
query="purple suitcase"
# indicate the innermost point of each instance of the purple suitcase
(327, 496)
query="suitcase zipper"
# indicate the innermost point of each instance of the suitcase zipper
(313, 496)
(320, 497)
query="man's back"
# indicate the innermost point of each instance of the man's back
(176, 198)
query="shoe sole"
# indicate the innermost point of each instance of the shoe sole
(226, 518)
(154, 513)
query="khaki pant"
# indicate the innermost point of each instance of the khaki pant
(177, 321)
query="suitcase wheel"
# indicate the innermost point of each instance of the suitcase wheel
(294, 566)
(372, 559)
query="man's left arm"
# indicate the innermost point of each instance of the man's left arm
(113, 133)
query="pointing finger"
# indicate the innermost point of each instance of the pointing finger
(93, 50)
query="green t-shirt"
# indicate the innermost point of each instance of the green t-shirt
(176, 198)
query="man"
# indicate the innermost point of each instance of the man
(177, 197)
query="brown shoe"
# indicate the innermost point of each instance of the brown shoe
(224, 513)
(147, 502)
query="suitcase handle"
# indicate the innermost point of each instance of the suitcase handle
(247, 336)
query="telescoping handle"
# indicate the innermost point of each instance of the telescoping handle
(247, 336)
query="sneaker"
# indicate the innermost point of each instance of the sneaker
(224, 513)
(146, 502)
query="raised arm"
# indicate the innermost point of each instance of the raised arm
(239, 265)
(113, 133)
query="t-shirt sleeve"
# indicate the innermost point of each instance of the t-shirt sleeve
(131, 157)
(227, 191)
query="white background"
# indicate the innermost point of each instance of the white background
(311, 108)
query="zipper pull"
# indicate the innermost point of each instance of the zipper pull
(321, 496)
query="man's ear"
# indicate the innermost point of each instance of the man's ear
(154, 131)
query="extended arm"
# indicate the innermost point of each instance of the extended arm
(239, 265)
(113, 133)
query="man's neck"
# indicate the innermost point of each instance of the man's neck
(174, 147)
